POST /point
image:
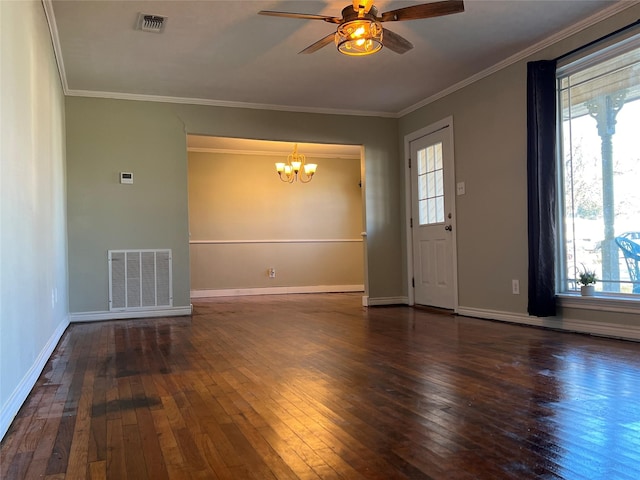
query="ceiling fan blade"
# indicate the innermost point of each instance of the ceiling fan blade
(424, 10)
(395, 42)
(323, 42)
(304, 16)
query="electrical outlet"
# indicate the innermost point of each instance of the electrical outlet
(272, 272)
(515, 287)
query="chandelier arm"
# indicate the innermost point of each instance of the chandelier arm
(285, 178)
(304, 177)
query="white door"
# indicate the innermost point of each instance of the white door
(432, 210)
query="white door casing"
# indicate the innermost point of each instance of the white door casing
(431, 208)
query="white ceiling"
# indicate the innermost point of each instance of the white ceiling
(224, 53)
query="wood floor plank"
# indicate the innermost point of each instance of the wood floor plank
(18, 466)
(44, 447)
(57, 476)
(125, 402)
(11, 443)
(153, 457)
(318, 387)
(60, 453)
(77, 466)
(171, 455)
(98, 470)
(214, 456)
(133, 453)
(116, 465)
(264, 450)
(224, 449)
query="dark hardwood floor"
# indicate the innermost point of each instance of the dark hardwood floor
(318, 387)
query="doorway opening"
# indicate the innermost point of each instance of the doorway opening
(252, 234)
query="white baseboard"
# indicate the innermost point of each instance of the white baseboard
(379, 301)
(101, 316)
(614, 330)
(12, 406)
(240, 292)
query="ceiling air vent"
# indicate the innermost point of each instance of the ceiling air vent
(151, 23)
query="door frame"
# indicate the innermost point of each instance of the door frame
(432, 128)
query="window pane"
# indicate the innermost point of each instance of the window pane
(600, 168)
(422, 208)
(439, 179)
(431, 205)
(430, 159)
(431, 185)
(440, 209)
(438, 155)
(422, 162)
(422, 187)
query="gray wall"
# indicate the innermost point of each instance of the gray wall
(105, 137)
(490, 156)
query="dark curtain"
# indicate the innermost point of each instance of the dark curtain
(541, 184)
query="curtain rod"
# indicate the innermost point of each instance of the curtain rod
(609, 35)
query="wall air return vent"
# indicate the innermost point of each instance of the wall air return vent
(140, 280)
(151, 23)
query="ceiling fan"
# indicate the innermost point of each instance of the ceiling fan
(360, 31)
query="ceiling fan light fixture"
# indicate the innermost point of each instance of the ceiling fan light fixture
(359, 37)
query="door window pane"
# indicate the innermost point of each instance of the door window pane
(430, 185)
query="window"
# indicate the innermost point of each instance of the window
(599, 169)
(430, 185)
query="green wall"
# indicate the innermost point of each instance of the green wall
(104, 138)
(107, 136)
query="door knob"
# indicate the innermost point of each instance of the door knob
(448, 228)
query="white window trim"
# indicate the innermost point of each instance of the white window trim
(600, 303)
(610, 302)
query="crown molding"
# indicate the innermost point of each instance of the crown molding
(563, 34)
(47, 5)
(527, 52)
(223, 103)
(57, 48)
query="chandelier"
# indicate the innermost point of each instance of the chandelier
(296, 169)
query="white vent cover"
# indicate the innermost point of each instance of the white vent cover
(140, 279)
(151, 23)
